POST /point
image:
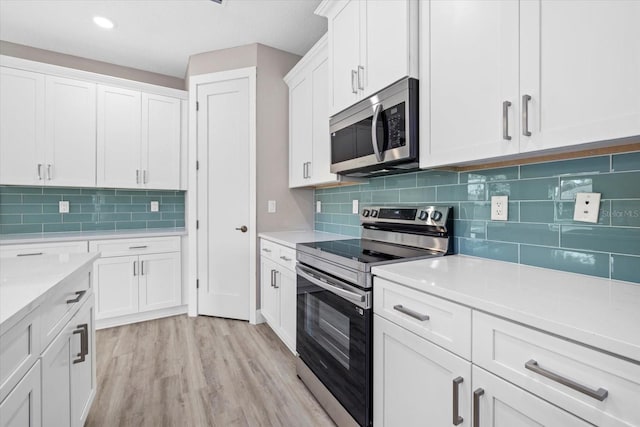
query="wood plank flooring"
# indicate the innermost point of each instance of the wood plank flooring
(202, 371)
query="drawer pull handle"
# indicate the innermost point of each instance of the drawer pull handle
(457, 419)
(285, 258)
(266, 250)
(409, 312)
(138, 247)
(476, 406)
(83, 330)
(79, 295)
(599, 394)
(31, 254)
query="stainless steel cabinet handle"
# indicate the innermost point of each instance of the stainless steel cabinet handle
(40, 171)
(138, 247)
(285, 258)
(144, 176)
(31, 254)
(83, 330)
(137, 176)
(476, 406)
(354, 77)
(49, 172)
(374, 133)
(505, 120)
(360, 77)
(409, 312)
(275, 279)
(266, 250)
(79, 295)
(142, 268)
(135, 271)
(243, 228)
(457, 419)
(525, 115)
(304, 170)
(273, 273)
(599, 394)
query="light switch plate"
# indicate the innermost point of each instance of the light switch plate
(271, 206)
(63, 206)
(318, 206)
(587, 207)
(499, 208)
(354, 207)
(155, 206)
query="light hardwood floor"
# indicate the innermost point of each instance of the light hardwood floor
(202, 371)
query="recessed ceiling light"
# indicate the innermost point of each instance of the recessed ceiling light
(103, 22)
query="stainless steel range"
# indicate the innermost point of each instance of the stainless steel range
(334, 302)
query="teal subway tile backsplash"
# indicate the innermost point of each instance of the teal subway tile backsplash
(35, 209)
(540, 230)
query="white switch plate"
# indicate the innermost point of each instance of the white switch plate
(587, 207)
(318, 206)
(354, 207)
(271, 206)
(155, 206)
(63, 206)
(499, 208)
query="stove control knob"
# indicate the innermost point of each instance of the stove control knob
(374, 213)
(423, 215)
(365, 213)
(436, 215)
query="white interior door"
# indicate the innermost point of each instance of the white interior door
(226, 194)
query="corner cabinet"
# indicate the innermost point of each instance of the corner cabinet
(504, 78)
(372, 44)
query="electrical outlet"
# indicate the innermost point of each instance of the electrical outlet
(155, 206)
(63, 206)
(271, 206)
(318, 206)
(354, 207)
(499, 208)
(587, 207)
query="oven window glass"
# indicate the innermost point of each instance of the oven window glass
(329, 328)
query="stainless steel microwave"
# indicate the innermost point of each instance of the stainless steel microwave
(378, 135)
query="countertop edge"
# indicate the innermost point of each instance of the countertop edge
(286, 238)
(17, 239)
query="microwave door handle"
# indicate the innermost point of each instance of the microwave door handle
(351, 296)
(374, 133)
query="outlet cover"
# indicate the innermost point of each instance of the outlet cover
(354, 207)
(318, 206)
(587, 207)
(499, 208)
(271, 206)
(155, 206)
(63, 206)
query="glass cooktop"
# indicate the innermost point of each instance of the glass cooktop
(368, 251)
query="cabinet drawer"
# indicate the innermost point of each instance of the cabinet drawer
(62, 305)
(269, 249)
(37, 249)
(447, 325)
(124, 247)
(506, 349)
(287, 257)
(19, 349)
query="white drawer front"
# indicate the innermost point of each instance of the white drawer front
(124, 247)
(19, 349)
(287, 257)
(504, 348)
(448, 324)
(269, 249)
(37, 249)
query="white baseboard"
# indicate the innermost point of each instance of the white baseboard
(259, 317)
(140, 317)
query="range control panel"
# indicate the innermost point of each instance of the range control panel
(427, 215)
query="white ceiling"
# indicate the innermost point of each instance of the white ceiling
(159, 35)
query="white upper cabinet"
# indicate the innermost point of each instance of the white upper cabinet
(372, 44)
(511, 77)
(70, 132)
(300, 129)
(21, 127)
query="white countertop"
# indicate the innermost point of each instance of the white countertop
(290, 238)
(598, 312)
(12, 239)
(25, 282)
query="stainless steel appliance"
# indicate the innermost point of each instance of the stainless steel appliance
(334, 302)
(378, 135)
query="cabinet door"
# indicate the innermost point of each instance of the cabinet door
(580, 62)
(415, 380)
(160, 281)
(70, 153)
(56, 380)
(21, 127)
(83, 373)
(22, 407)
(270, 298)
(161, 135)
(116, 286)
(321, 158)
(502, 404)
(344, 54)
(118, 157)
(473, 70)
(390, 27)
(286, 280)
(301, 129)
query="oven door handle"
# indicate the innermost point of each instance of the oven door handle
(374, 132)
(351, 296)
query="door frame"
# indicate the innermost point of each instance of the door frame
(192, 202)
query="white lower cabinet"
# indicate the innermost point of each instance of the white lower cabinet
(22, 407)
(417, 383)
(278, 290)
(147, 280)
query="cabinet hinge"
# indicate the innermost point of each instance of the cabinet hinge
(197, 165)
(197, 106)
(197, 224)
(197, 283)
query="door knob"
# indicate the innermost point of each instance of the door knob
(243, 228)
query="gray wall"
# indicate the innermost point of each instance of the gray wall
(76, 62)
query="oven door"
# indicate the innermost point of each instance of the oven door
(334, 338)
